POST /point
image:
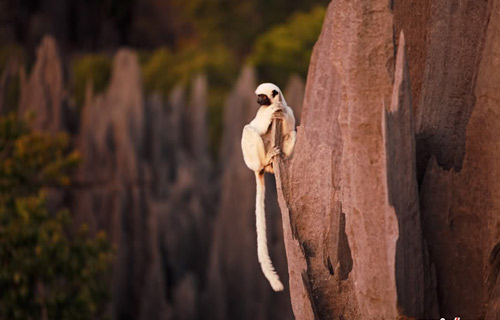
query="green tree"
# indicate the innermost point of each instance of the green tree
(238, 23)
(286, 49)
(46, 272)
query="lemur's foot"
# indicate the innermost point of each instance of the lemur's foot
(271, 153)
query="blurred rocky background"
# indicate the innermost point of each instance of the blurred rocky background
(123, 192)
(153, 96)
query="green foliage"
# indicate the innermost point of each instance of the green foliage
(94, 68)
(44, 271)
(157, 71)
(31, 160)
(286, 49)
(237, 23)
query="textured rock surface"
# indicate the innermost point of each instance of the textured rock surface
(453, 53)
(372, 242)
(445, 39)
(337, 183)
(461, 209)
(415, 278)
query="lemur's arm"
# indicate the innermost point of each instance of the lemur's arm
(288, 129)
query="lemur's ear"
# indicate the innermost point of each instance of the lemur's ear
(275, 93)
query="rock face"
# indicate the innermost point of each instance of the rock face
(43, 93)
(415, 278)
(462, 206)
(390, 206)
(343, 199)
(457, 148)
(443, 35)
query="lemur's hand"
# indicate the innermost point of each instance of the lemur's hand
(278, 114)
(271, 153)
(278, 106)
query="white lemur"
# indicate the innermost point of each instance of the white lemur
(258, 153)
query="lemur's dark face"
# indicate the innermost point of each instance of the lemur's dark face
(263, 99)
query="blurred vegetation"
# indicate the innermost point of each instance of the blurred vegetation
(238, 23)
(90, 68)
(45, 273)
(286, 48)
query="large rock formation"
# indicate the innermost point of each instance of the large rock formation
(445, 40)
(364, 239)
(138, 181)
(343, 189)
(461, 207)
(112, 193)
(455, 64)
(146, 180)
(43, 93)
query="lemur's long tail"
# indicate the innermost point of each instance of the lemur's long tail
(262, 252)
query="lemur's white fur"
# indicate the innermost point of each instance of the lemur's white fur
(258, 153)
